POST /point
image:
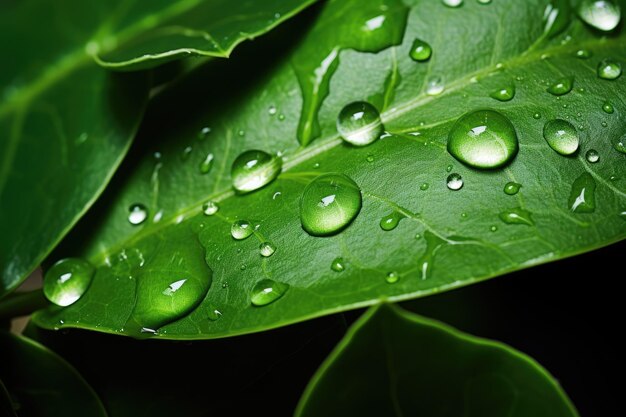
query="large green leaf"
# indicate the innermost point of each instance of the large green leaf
(395, 363)
(65, 123)
(41, 383)
(478, 48)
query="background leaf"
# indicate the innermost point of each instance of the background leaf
(395, 363)
(445, 239)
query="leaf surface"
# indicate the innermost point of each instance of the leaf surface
(395, 363)
(444, 239)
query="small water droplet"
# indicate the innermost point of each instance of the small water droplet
(391, 221)
(418, 236)
(484, 1)
(267, 249)
(204, 132)
(537, 116)
(338, 265)
(452, 3)
(562, 136)
(620, 145)
(214, 314)
(137, 214)
(420, 51)
(242, 267)
(267, 291)
(424, 186)
(254, 169)
(241, 133)
(272, 110)
(210, 208)
(392, 278)
(241, 229)
(454, 182)
(370, 158)
(583, 54)
(483, 139)
(493, 228)
(604, 124)
(449, 168)
(276, 195)
(504, 94)
(359, 123)
(425, 262)
(609, 69)
(67, 280)
(206, 164)
(434, 85)
(517, 215)
(512, 188)
(561, 86)
(592, 156)
(329, 204)
(582, 198)
(186, 153)
(608, 107)
(601, 14)
(281, 117)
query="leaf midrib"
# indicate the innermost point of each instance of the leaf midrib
(305, 154)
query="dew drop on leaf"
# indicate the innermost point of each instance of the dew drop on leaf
(512, 188)
(562, 136)
(267, 291)
(338, 265)
(537, 116)
(267, 249)
(601, 14)
(582, 197)
(484, 1)
(206, 164)
(204, 132)
(504, 94)
(608, 107)
(392, 278)
(329, 204)
(210, 208)
(424, 186)
(592, 156)
(517, 215)
(454, 182)
(483, 139)
(214, 314)
(186, 153)
(609, 69)
(620, 145)
(359, 123)
(420, 51)
(241, 229)
(561, 86)
(425, 262)
(67, 280)
(434, 85)
(583, 54)
(254, 169)
(137, 214)
(391, 221)
(452, 3)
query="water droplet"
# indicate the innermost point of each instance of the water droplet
(561, 86)
(537, 116)
(620, 145)
(392, 278)
(582, 198)
(370, 158)
(604, 124)
(592, 156)
(418, 236)
(452, 3)
(420, 51)
(206, 164)
(449, 168)
(137, 214)
(254, 169)
(214, 314)
(329, 204)
(556, 17)
(601, 14)
(267, 291)
(609, 69)
(241, 229)
(583, 54)
(359, 123)
(608, 107)
(517, 216)
(204, 132)
(186, 153)
(267, 249)
(338, 265)
(493, 228)
(277, 195)
(272, 110)
(483, 139)
(454, 182)
(281, 117)
(512, 188)
(484, 1)
(424, 186)
(391, 221)
(425, 262)
(504, 94)
(434, 85)
(210, 208)
(67, 280)
(562, 136)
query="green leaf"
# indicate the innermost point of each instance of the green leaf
(173, 30)
(465, 236)
(393, 362)
(41, 383)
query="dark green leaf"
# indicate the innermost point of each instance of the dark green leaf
(464, 236)
(393, 363)
(41, 383)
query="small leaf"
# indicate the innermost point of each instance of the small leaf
(392, 362)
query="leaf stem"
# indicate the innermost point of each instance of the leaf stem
(22, 304)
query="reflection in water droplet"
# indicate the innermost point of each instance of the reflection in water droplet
(562, 136)
(254, 169)
(206, 164)
(420, 51)
(241, 229)
(608, 107)
(267, 249)
(392, 278)
(425, 262)
(582, 198)
(454, 182)
(391, 221)
(592, 156)
(137, 214)
(517, 215)
(338, 265)
(434, 85)
(504, 94)
(512, 188)
(329, 204)
(359, 123)
(601, 14)
(483, 139)
(609, 69)
(67, 280)
(267, 291)
(210, 208)
(561, 86)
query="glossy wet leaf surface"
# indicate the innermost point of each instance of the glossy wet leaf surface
(392, 362)
(447, 238)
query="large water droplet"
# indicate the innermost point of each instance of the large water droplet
(359, 123)
(420, 51)
(206, 164)
(454, 182)
(338, 265)
(391, 221)
(517, 215)
(267, 291)
(483, 139)
(562, 136)
(601, 14)
(241, 229)
(254, 169)
(512, 188)
(329, 203)
(267, 249)
(592, 156)
(609, 69)
(67, 280)
(582, 198)
(137, 214)
(561, 86)
(425, 262)
(504, 94)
